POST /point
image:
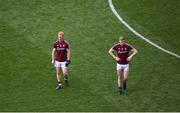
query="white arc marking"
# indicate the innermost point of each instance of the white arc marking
(136, 33)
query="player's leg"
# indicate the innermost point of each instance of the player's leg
(65, 73)
(120, 78)
(125, 74)
(58, 76)
(125, 79)
(120, 81)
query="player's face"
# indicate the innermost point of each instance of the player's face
(122, 40)
(60, 37)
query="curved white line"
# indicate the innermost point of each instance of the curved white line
(136, 33)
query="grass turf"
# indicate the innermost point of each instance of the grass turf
(27, 78)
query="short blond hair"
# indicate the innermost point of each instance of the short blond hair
(60, 33)
(121, 38)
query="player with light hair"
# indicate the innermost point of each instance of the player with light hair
(120, 52)
(61, 59)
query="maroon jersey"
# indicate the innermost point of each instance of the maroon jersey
(122, 52)
(61, 50)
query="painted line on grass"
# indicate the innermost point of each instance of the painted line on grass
(136, 33)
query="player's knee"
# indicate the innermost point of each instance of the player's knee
(120, 75)
(58, 73)
(65, 73)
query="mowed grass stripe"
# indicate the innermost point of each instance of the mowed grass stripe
(160, 67)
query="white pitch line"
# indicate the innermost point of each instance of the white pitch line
(136, 33)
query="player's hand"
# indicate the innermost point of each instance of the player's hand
(68, 62)
(52, 61)
(129, 58)
(117, 59)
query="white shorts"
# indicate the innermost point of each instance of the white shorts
(122, 67)
(60, 64)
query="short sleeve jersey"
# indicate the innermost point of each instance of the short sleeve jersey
(122, 52)
(61, 50)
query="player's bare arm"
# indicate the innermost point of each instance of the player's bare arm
(53, 55)
(134, 52)
(68, 54)
(111, 52)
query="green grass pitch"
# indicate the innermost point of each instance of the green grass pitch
(27, 78)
